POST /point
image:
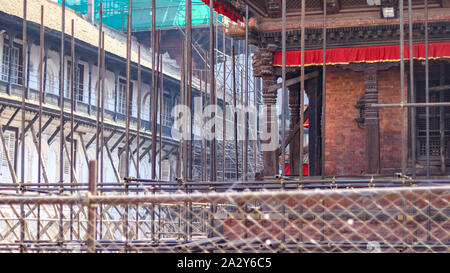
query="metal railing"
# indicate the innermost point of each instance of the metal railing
(392, 219)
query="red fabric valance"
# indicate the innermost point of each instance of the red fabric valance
(223, 9)
(364, 54)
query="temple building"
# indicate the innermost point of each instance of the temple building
(363, 67)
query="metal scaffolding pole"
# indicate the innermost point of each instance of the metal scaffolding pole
(157, 93)
(72, 93)
(427, 91)
(324, 74)
(212, 90)
(283, 88)
(402, 84)
(61, 95)
(224, 125)
(127, 106)
(102, 107)
(302, 88)
(411, 90)
(161, 101)
(245, 170)
(236, 152)
(138, 103)
(154, 91)
(24, 75)
(188, 79)
(41, 96)
(99, 61)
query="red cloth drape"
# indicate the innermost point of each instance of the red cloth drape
(367, 54)
(287, 169)
(225, 10)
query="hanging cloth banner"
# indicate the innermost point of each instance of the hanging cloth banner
(223, 9)
(363, 54)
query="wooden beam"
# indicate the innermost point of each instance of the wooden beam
(80, 135)
(290, 137)
(293, 81)
(116, 173)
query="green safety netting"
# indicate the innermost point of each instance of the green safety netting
(169, 13)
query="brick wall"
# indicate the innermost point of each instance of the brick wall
(344, 141)
(390, 118)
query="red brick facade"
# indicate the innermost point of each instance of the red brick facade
(390, 118)
(344, 140)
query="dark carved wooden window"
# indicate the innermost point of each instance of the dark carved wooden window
(439, 75)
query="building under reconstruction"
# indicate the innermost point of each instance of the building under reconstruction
(225, 126)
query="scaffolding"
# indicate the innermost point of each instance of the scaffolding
(217, 202)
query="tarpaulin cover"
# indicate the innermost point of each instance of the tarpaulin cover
(169, 13)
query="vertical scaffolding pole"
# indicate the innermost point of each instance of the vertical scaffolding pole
(442, 118)
(41, 97)
(205, 142)
(188, 63)
(245, 170)
(302, 87)
(324, 74)
(427, 91)
(411, 90)
(283, 88)
(236, 152)
(24, 63)
(255, 142)
(92, 210)
(41, 90)
(61, 116)
(138, 103)
(212, 89)
(128, 112)
(157, 94)
(241, 103)
(154, 92)
(127, 107)
(72, 93)
(160, 112)
(201, 140)
(402, 85)
(182, 101)
(99, 60)
(102, 131)
(224, 103)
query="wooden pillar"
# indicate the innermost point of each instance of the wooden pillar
(269, 100)
(314, 126)
(263, 67)
(371, 121)
(294, 146)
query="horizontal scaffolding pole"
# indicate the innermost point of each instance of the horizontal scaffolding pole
(217, 197)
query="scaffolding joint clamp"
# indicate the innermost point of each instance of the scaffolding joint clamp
(333, 183)
(371, 184)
